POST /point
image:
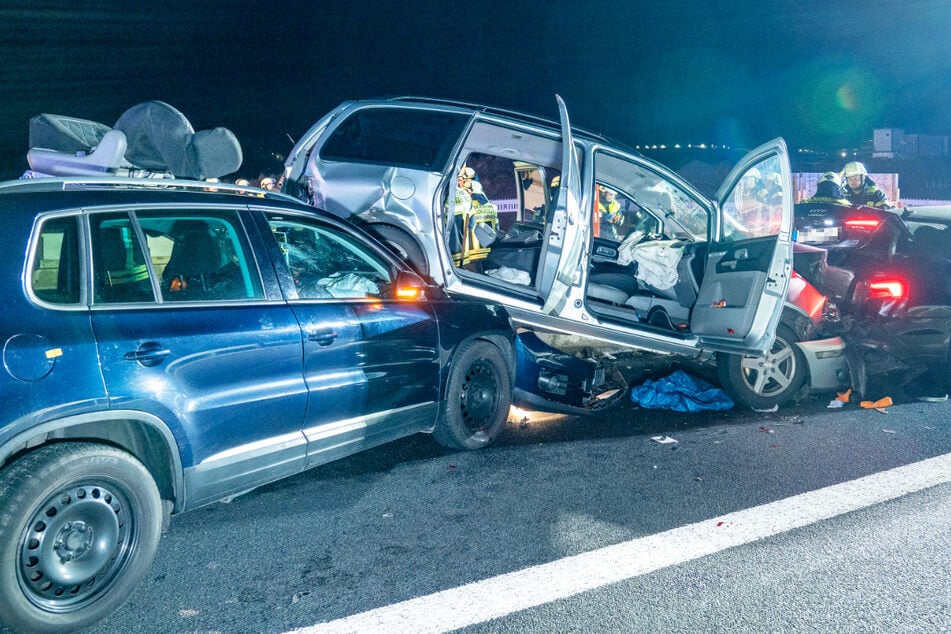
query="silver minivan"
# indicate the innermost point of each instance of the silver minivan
(573, 233)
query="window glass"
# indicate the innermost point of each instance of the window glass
(405, 137)
(633, 198)
(200, 257)
(755, 206)
(325, 264)
(120, 273)
(55, 275)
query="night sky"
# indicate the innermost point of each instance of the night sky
(820, 74)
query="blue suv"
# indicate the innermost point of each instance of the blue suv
(167, 344)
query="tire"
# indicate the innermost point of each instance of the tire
(478, 396)
(764, 382)
(403, 245)
(79, 527)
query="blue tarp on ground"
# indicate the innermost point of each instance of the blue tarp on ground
(680, 392)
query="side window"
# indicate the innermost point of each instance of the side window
(634, 200)
(120, 274)
(55, 275)
(755, 206)
(326, 264)
(404, 137)
(200, 256)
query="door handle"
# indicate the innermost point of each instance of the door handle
(322, 337)
(148, 354)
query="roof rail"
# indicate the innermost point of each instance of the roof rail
(514, 114)
(49, 183)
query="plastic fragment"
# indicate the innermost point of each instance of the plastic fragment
(841, 398)
(766, 430)
(774, 408)
(664, 440)
(933, 399)
(889, 431)
(881, 403)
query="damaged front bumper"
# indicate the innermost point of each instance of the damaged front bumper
(550, 380)
(828, 363)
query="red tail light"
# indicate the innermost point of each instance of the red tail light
(887, 288)
(863, 224)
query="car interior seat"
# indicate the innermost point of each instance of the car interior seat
(194, 259)
(117, 279)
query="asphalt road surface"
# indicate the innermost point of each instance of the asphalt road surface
(802, 520)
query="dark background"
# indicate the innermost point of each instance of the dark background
(820, 74)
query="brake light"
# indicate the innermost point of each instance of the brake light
(887, 288)
(863, 224)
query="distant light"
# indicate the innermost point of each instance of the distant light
(663, 147)
(676, 146)
(702, 146)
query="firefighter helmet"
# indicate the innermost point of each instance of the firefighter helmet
(854, 169)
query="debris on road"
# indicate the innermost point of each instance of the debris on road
(664, 440)
(879, 405)
(840, 399)
(680, 392)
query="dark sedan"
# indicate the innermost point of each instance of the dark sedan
(889, 273)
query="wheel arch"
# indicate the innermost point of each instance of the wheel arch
(142, 435)
(389, 232)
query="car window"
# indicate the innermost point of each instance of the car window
(186, 257)
(632, 198)
(55, 274)
(327, 264)
(755, 206)
(404, 137)
(120, 272)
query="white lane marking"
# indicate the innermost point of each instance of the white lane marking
(495, 597)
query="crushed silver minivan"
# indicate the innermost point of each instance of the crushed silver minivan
(578, 235)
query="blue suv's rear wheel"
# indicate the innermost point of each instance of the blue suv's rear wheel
(79, 527)
(478, 397)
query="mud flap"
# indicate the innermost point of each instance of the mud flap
(857, 370)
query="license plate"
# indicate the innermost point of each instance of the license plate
(822, 234)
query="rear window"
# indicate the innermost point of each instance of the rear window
(55, 275)
(403, 137)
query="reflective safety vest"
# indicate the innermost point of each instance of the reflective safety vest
(471, 219)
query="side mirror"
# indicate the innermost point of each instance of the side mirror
(409, 287)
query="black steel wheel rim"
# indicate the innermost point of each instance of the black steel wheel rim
(479, 396)
(75, 546)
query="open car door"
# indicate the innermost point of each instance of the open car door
(567, 231)
(749, 262)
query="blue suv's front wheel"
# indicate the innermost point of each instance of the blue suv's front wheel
(79, 526)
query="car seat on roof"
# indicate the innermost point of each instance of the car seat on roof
(151, 136)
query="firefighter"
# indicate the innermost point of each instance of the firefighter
(859, 188)
(476, 220)
(610, 211)
(829, 191)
